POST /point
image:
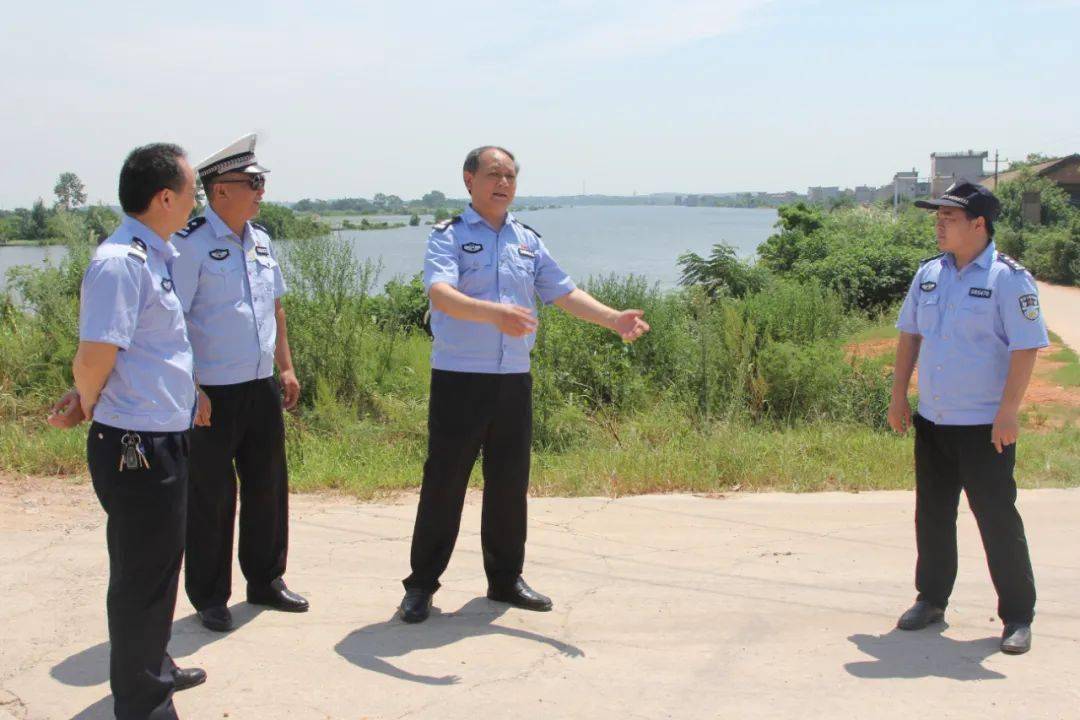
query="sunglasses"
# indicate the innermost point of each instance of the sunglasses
(255, 182)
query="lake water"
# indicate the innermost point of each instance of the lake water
(586, 240)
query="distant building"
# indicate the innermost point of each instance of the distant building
(823, 195)
(1065, 172)
(948, 167)
(906, 185)
(864, 194)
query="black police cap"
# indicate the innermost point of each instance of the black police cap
(966, 195)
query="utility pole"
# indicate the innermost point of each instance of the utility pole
(995, 169)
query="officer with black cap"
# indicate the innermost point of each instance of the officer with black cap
(972, 321)
(231, 286)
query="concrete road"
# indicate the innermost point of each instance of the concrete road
(737, 606)
(1062, 307)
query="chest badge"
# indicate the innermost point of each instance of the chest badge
(526, 252)
(1029, 306)
(262, 250)
(980, 292)
(928, 286)
(166, 284)
(472, 247)
(219, 253)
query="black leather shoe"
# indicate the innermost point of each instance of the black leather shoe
(277, 596)
(415, 606)
(185, 678)
(520, 595)
(218, 619)
(919, 616)
(1016, 640)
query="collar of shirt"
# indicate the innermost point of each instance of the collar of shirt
(222, 230)
(474, 218)
(984, 259)
(148, 236)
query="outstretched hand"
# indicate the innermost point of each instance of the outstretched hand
(630, 324)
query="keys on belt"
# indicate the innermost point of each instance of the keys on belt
(132, 453)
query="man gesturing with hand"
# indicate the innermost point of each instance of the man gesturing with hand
(483, 271)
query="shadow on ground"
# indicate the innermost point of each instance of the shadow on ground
(923, 653)
(369, 646)
(91, 666)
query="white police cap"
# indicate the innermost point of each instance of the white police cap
(236, 157)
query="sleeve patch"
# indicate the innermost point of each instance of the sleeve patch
(1029, 306)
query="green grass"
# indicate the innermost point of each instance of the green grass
(1069, 374)
(882, 330)
(650, 452)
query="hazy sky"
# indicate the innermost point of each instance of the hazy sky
(354, 98)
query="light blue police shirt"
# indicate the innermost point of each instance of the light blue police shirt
(510, 265)
(128, 300)
(228, 286)
(970, 321)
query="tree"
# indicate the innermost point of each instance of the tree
(442, 214)
(70, 191)
(101, 221)
(433, 199)
(720, 273)
(1054, 200)
(36, 222)
(414, 220)
(1031, 159)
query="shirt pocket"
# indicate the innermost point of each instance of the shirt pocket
(928, 315)
(522, 265)
(474, 272)
(975, 318)
(223, 281)
(266, 268)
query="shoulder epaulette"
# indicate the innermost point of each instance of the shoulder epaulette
(192, 226)
(527, 228)
(440, 226)
(263, 228)
(137, 250)
(935, 257)
(1010, 262)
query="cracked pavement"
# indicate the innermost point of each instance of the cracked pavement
(673, 606)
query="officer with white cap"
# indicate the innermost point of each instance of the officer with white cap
(231, 286)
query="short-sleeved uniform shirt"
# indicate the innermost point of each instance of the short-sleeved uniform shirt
(128, 300)
(510, 265)
(228, 286)
(970, 320)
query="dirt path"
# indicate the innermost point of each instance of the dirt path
(1062, 308)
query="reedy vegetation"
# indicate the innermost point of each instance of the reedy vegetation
(744, 380)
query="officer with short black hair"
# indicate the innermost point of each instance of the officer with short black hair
(133, 377)
(972, 319)
(484, 271)
(230, 285)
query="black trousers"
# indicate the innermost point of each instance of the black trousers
(949, 458)
(246, 438)
(467, 413)
(145, 534)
